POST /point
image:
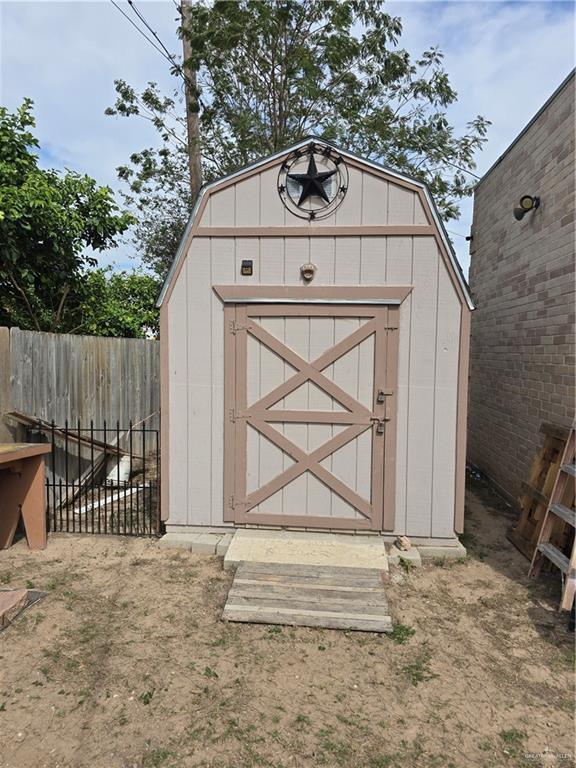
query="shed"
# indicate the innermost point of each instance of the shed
(314, 354)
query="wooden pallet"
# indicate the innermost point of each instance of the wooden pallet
(537, 491)
(558, 511)
(308, 596)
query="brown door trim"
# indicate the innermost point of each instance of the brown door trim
(383, 325)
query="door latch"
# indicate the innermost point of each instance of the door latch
(383, 394)
(380, 424)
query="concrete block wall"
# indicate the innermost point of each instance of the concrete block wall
(522, 276)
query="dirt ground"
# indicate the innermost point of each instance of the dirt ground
(126, 664)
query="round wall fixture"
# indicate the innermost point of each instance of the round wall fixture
(308, 271)
(313, 181)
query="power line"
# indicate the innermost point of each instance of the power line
(144, 35)
(177, 67)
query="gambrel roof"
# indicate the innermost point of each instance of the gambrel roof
(276, 159)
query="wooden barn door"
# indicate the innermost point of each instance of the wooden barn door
(310, 415)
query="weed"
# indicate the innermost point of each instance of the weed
(209, 672)
(274, 630)
(439, 562)
(147, 696)
(513, 739)
(3, 707)
(29, 584)
(381, 761)
(401, 633)
(6, 578)
(418, 671)
(321, 647)
(156, 757)
(302, 721)
(406, 564)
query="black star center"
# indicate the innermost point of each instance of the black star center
(312, 182)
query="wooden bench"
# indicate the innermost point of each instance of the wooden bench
(22, 492)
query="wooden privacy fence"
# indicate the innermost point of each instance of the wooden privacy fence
(65, 378)
(97, 401)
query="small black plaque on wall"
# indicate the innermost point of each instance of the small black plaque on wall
(246, 267)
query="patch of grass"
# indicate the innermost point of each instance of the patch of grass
(6, 578)
(147, 696)
(156, 757)
(513, 739)
(439, 562)
(401, 633)
(29, 584)
(302, 722)
(209, 672)
(418, 671)
(380, 761)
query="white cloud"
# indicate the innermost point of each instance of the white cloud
(505, 59)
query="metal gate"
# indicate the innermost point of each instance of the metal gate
(102, 479)
(310, 400)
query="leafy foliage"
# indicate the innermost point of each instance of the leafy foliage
(271, 73)
(47, 221)
(119, 304)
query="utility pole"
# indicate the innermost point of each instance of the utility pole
(192, 108)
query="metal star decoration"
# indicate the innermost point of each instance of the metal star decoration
(312, 182)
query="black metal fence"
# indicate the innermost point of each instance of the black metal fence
(102, 480)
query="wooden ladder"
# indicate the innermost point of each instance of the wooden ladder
(557, 510)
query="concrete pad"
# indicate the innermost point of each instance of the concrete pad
(223, 544)
(452, 552)
(411, 555)
(198, 543)
(304, 548)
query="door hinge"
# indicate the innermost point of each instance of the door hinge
(233, 503)
(391, 328)
(235, 415)
(235, 327)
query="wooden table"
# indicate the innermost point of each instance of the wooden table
(22, 492)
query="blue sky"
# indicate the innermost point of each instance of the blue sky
(504, 59)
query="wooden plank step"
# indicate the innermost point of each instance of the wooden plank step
(297, 617)
(570, 469)
(296, 602)
(318, 600)
(555, 556)
(309, 595)
(316, 584)
(565, 513)
(289, 569)
(303, 578)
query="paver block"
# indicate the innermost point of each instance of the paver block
(198, 543)
(453, 552)
(411, 555)
(223, 544)
(205, 543)
(306, 548)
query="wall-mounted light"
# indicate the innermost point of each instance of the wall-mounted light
(527, 203)
(308, 271)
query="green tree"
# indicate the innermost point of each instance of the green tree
(119, 304)
(271, 73)
(50, 223)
